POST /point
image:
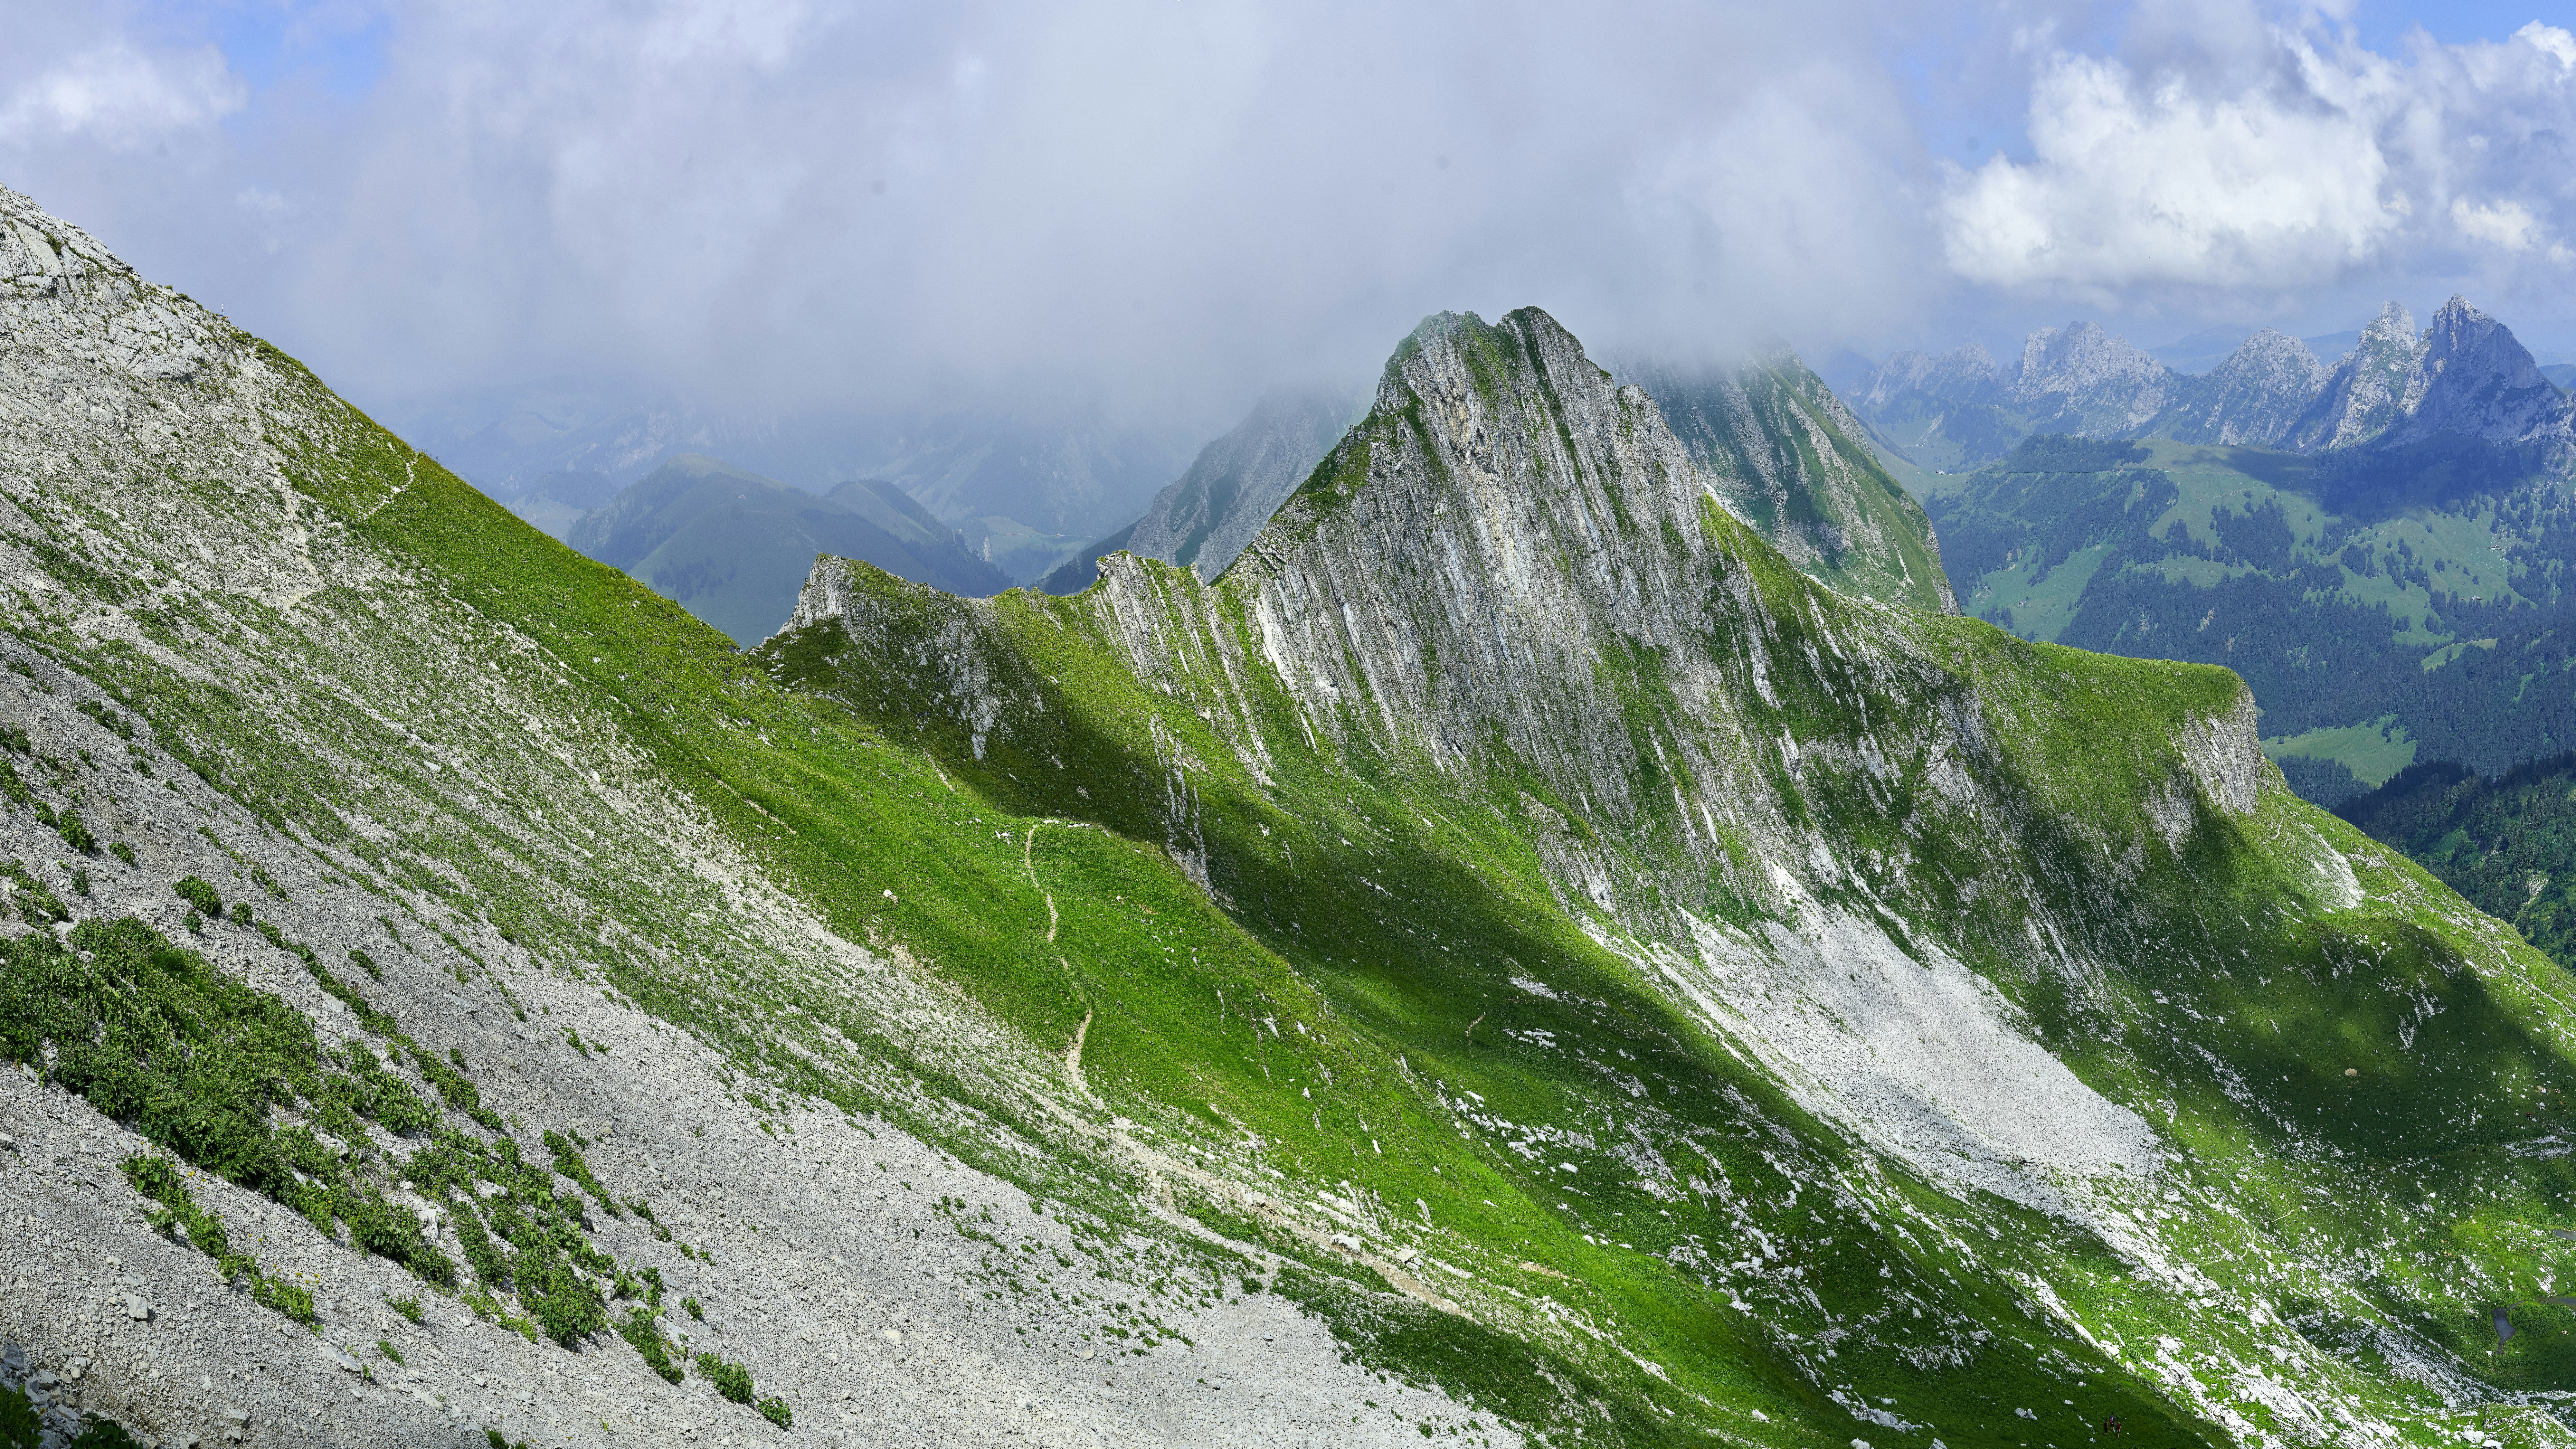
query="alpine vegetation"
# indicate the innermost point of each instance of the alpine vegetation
(1517, 957)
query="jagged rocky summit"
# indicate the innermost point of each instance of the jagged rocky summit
(1775, 443)
(2465, 379)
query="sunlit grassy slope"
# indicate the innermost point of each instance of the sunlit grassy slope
(1356, 979)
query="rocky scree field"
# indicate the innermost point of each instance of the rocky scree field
(1514, 961)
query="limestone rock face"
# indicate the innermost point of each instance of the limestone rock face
(2258, 393)
(1969, 374)
(2474, 379)
(2370, 388)
(54, 277)
(2090, 381)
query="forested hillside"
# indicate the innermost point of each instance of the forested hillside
(2385, 607)
(2506, 842)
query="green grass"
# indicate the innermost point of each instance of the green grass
(2372, 751)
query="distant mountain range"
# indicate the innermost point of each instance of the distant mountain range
(1027, 485)
(733, 547)
(2379, 546)
(2465, 374)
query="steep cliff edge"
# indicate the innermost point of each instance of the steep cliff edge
(1672, 887)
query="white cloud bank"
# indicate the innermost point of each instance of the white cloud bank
(120, 96)
(2299, 160)
(798, 201)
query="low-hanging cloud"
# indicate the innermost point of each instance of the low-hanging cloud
(787, 202)
(121, 96)
(775, 204)
(2293, 159)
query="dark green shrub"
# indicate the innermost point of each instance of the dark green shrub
(388, 1232)
(116, 724)
(195, 923)
(451, 1083)
(98, 1433)
(568, 1161)
(13, 738)
(367, 964)
(243, 914)
(775, 1410)
(731, 1379)
(407, 1307)
(563, 1306)
(19, 1426)
(80, 881)
(200, 895)
(122, 851)
(285, 1297)
(37, 904)
(74, 833)
(695, 1311)
(637, 1328)
(14, 787)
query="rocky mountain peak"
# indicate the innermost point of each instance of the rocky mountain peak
(2475, 379)
(2256, 391)
(2273, 357)
(61, 276)
(2080, 357)
(2371, 388)
(2081, 379)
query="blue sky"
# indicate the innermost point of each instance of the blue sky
(781, 203)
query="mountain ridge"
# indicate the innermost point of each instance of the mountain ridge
(2268, 391)
(1429, 644)
(1690, 1005)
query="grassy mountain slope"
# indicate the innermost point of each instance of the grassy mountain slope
(1563, 958)
(1570, 909)
(2379, 607)
(733, 547)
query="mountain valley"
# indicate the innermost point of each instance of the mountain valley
(2377, 547)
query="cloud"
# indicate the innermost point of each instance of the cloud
(121, 96)
(2506, 224)
(2284, 157)
(783, 202)
(770, 204)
